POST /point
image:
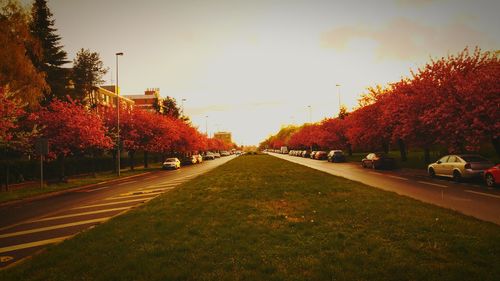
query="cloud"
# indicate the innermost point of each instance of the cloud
(404, 39)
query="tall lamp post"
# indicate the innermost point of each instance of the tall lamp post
(206, 125)
(117, 118)
(338, 93)
(182, 105)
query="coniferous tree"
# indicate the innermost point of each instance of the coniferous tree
(88, 71)
(53, 56)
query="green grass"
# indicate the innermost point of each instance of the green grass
(262, 218)
(34, 189)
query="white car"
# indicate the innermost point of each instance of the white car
(171, 163)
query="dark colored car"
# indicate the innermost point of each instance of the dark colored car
(492, 176)
(189, 160)
(336, 156)
(378, 160)
(321, 155)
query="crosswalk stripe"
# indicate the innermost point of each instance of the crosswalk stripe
(110, 203)
(52, 227)
(82, 214)
(33, 244)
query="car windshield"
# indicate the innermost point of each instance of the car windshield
(338, 153)
(170, 160)
(474, 158)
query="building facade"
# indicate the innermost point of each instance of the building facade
(147, 100)
(225, 136)
(106, 96)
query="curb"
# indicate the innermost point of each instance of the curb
(54, 193)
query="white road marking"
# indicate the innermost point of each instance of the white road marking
(434, 184)
(484, 194)
(111, 203)
(127, 182)
(375, 173)
(396, 177)
(33, 244)
(81, 214)
(133, 195)
(52, 227)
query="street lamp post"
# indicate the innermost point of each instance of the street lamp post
(310, 113)
(182, 106)
(117, 118)
(206, 125)
(338, 93)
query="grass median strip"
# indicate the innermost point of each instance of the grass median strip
(262, 218)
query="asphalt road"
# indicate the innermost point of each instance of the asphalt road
(28, 227)
(470, 198)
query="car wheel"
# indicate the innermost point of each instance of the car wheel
(363, 164)
(490, 180)
(373, 165)
(432, 173)
(457, 177)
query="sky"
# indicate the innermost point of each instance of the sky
(250, 67)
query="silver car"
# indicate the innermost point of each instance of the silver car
(459, 166)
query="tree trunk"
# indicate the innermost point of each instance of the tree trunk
(131, 154)
(402, 150)
(7, 177)
(93, 164)
(385, 148)
(114, 161)
(496, 144)
(62, 166)
(427, 155)
(349, 149)
(145, 159)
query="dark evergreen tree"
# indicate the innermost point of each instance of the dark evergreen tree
(53, 56)
(87, 74)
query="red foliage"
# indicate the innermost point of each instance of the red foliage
(70, 128)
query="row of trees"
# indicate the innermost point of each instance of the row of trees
(41, 98)
(452, 102)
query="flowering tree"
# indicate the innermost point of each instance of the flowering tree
(71, 129)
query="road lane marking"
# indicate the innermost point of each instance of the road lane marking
(111, 203)
(133, 194)
(158, 187)
(81, 214)
(484, 194)
(53, 227)
(33, 244)
(434, 184)
(396, 177)
(127, 182)
(375, 173)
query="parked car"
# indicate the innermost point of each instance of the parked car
(209, 156)
(224, 153)
(378, 160)
(459, 166)
(320, 155)
(189, 160)
(312, 154)
(306, 154)
(171, 163)
(492, 176)
(217, 154)
(336, 156)
(198, 158)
